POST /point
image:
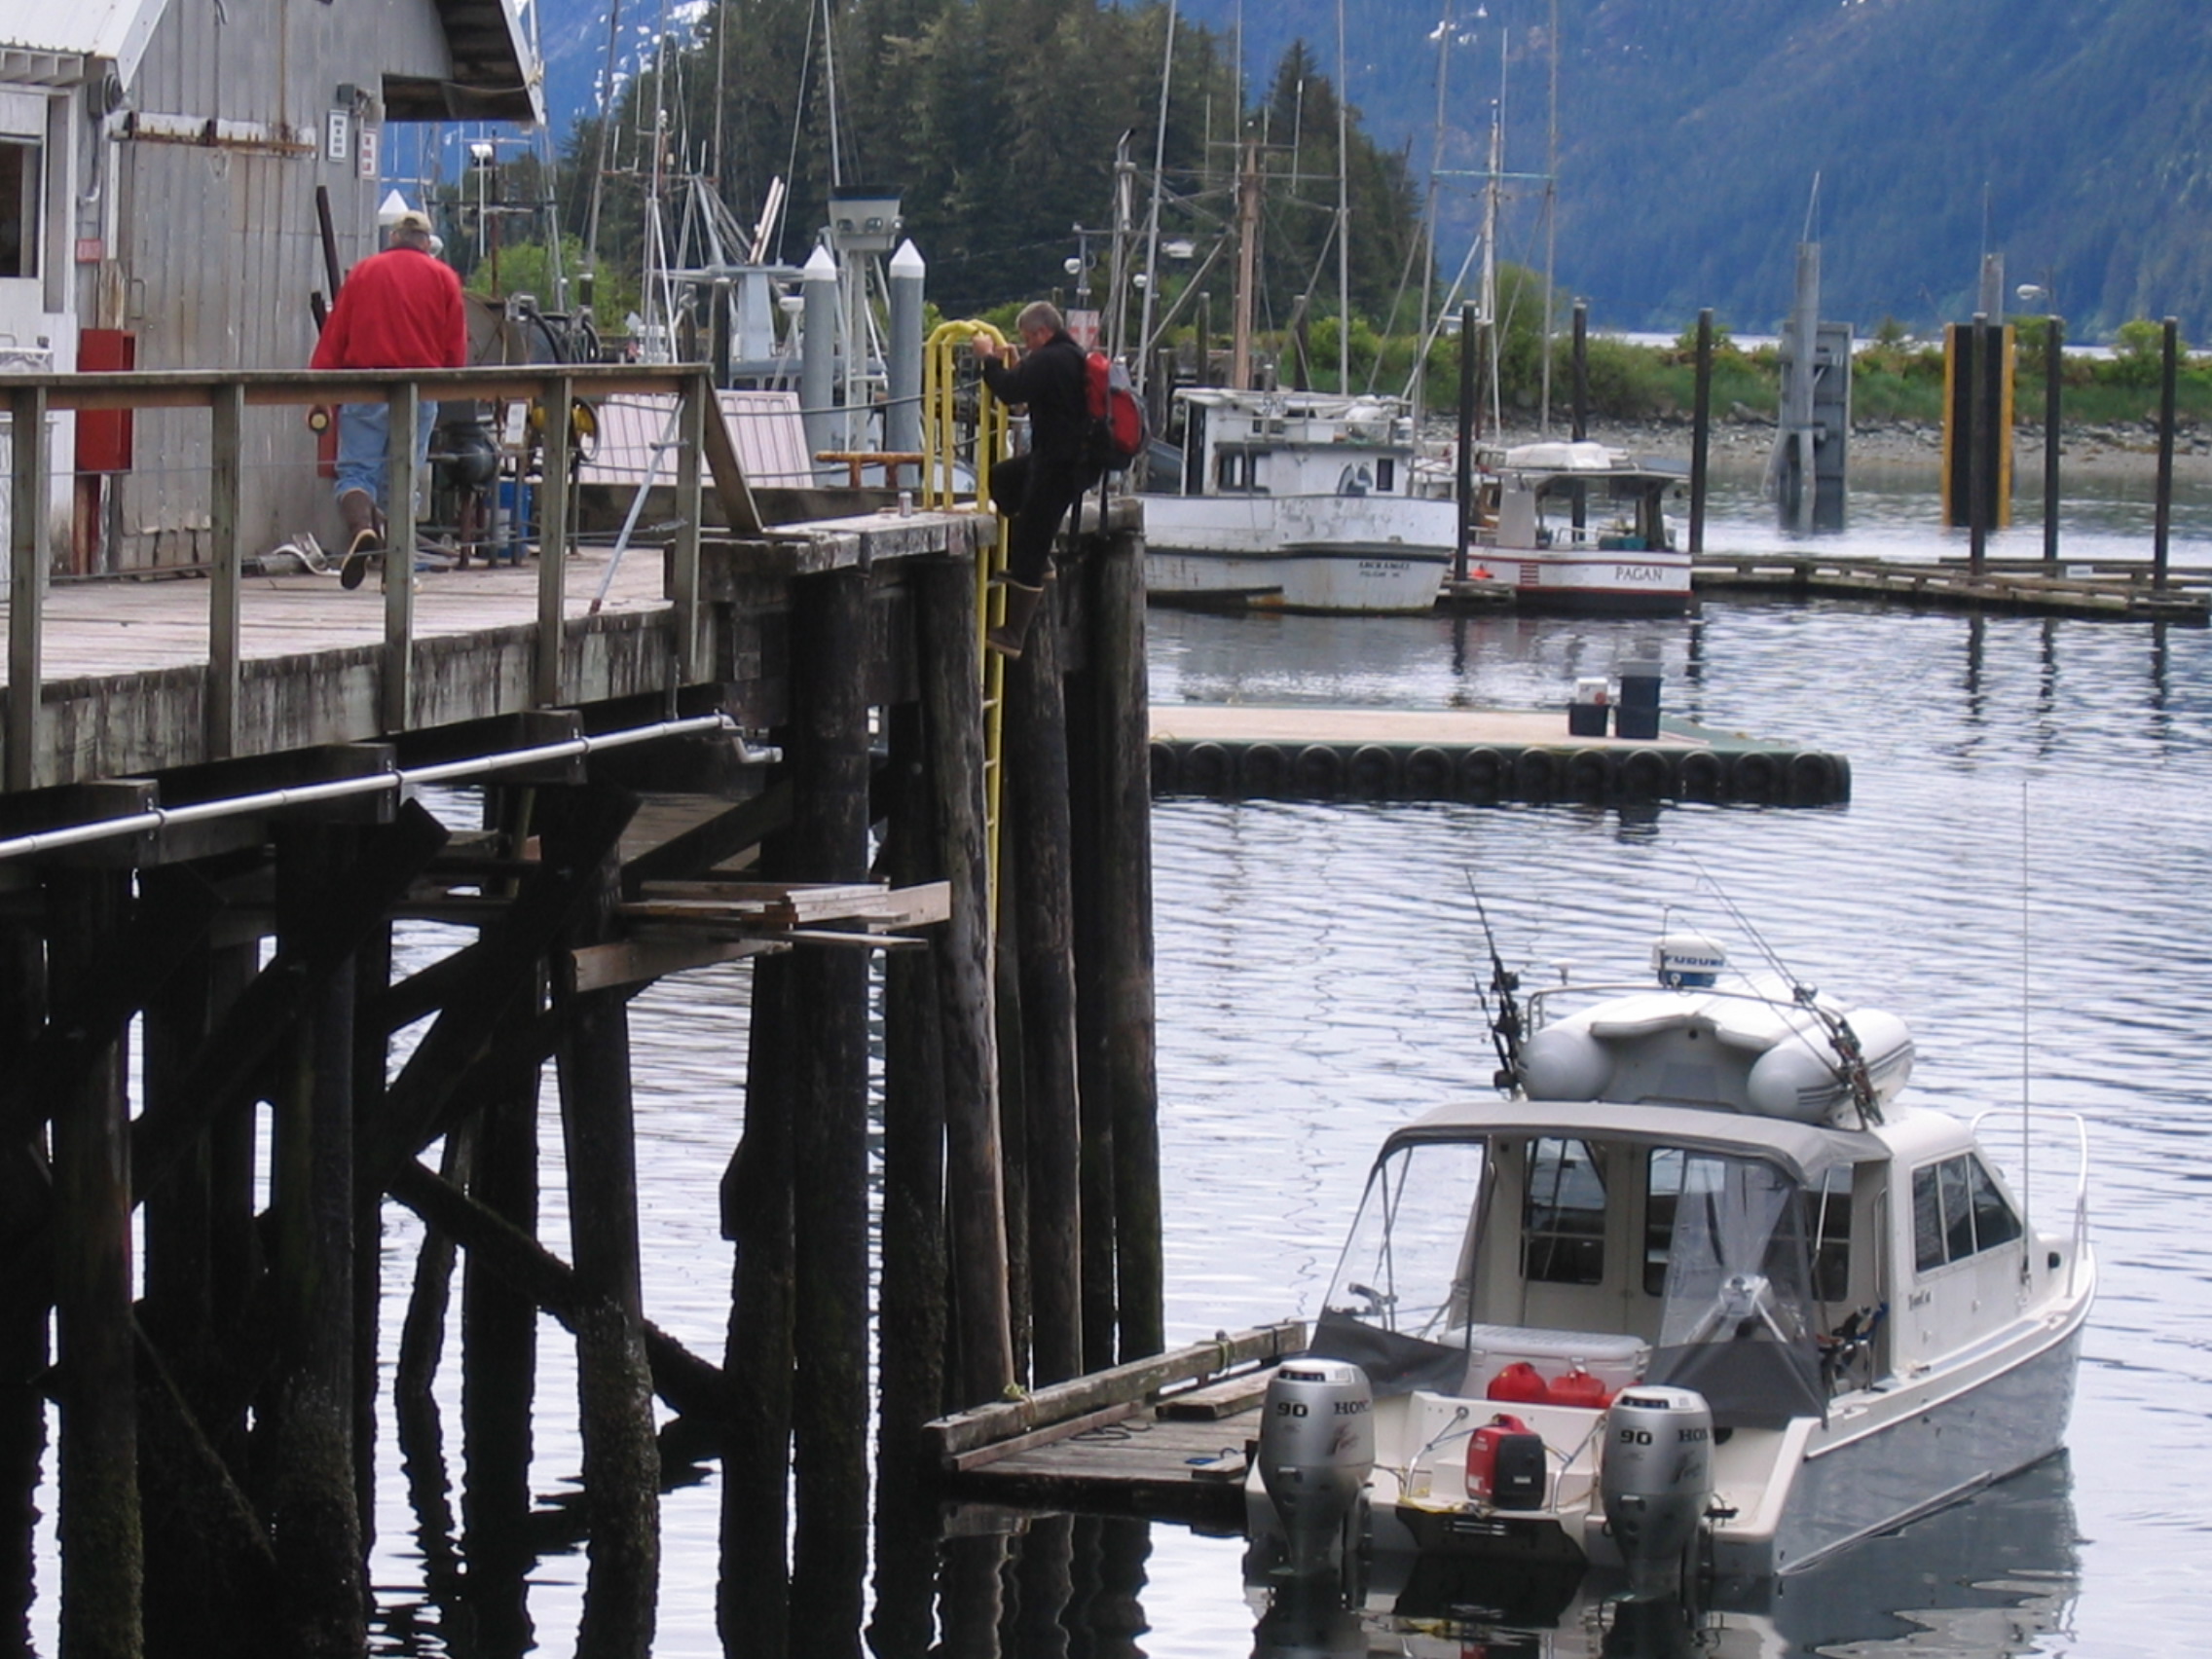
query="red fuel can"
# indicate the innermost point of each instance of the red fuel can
(1577, 1387)
(1519, 1383)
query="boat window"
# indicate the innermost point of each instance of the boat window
(1994, 1222)
(1736, 1259)
(19, 183)
(1385, 473)
(1237, 470)
(1827, 1222)
(1563, 1214)
(1406, 1264)
(1662, 1188)
(1958, 1210)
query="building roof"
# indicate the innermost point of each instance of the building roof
(43, 43)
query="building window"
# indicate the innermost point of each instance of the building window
(20, 177)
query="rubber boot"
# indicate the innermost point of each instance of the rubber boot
(363, 537)
(1021, 601)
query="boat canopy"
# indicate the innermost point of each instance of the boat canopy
(1805, 1151)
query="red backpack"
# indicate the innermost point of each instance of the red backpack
(1117, 417)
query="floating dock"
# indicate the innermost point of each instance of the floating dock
(2101, 592)
(1234, 752)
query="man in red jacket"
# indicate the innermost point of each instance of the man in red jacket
(399, 310)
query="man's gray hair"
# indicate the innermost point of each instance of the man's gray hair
(1039, 314)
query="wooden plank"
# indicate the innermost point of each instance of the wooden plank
(639, 961)
(986, 1455)
(1217, 1400)
(1138, 1380)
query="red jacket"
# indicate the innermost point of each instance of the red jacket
(399, 309)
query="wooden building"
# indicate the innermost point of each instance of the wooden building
(159, 165)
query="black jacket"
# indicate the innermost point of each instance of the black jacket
(1053, 381)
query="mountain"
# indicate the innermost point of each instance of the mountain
(2074, 136)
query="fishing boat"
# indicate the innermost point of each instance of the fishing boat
(1617, 555)
(1701, 1299)
(1292, 500)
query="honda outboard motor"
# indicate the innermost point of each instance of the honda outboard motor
(1656, 1482)
(1316, 1450)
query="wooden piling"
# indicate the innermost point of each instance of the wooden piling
(1700, 429)
(951, 673)
(1124, 985)
(24, 1295)
(2053, 426)
(2169, 360)
(615, 1407)
(829, 750)
(303, 1440)
(1036, 772)
(102, 1564)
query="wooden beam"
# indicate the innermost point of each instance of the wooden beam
(227, 472)
(26, 584)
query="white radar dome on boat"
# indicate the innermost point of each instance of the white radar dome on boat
(1801, 1078)
(1687, 960)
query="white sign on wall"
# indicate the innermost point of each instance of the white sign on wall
(367, 167)
(338, 136)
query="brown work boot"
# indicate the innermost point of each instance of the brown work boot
(364, 538)
(1021, 600)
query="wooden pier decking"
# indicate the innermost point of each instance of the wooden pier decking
(2105, 591)
(1483, 756)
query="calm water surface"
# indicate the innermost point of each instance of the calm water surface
(2021, 873)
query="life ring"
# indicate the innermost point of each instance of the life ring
(1648, 774)
(1208, 770)
(1166, 768)
(1702, 774)
(1480, 774)
(1812, 779)
(1321, 772)
(1589, 775)
(1260, 771)
(1372, 773)
(1536, 774)
(1428, 774)
(1754, 778)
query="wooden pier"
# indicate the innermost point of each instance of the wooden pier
(1242, 752)
(2112, 592)
(752, 740)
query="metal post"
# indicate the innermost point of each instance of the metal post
(1700, 429)
(26, 581)
(220, 718)
(2170, 357)
(2053, 383)
(556, 394)
(1977, 443)
(817, 352)
(1466, 479)
(902, 415)
(402, 407)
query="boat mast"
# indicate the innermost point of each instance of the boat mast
(1490, 235)
(1551, 221)
(1444, 31)
(1344, 209)
(1152, 218)
(1247, 262)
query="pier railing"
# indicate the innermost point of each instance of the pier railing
(702, 450)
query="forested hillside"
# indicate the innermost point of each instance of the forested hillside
(2074, 137)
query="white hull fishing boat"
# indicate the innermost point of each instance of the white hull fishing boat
(1294, 501)
(1700, 1301)
(1621, 559)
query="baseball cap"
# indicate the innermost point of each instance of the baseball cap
(413, 220)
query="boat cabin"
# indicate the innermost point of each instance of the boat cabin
(1279, 443)
(1531, 496)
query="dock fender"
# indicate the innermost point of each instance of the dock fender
(1754, 777)
(1428, 773)
(1648, 774)
(1208, 770)
(1535, 773)
(1481, 773)
(1262, 771)
(1373, 772)
(1321, 772)
(1590, 775)
(1703, 775)
(1812, 779)
(1167, 769)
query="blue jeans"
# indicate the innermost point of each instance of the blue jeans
(364, 434)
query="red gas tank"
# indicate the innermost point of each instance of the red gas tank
(1519, 1383)
(1506, 1464)
(1577, 1387)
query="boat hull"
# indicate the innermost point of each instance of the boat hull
(1594, 584)
(1326, 554)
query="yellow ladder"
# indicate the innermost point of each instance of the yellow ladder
(940, 446)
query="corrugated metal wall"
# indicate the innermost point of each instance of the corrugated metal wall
(219, 246)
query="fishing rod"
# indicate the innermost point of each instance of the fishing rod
(1506, 1027)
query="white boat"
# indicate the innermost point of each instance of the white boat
(1701, 1300)
(1623, 556)
(1292, 500)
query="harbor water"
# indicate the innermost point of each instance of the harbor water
(2021, 873)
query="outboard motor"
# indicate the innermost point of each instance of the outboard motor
(1657, 1483)
(1316, 1450)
